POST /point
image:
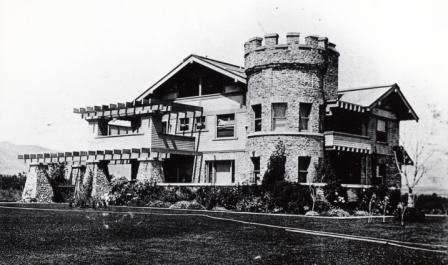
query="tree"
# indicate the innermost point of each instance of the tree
(323, 173)
(276, 166)
(413, 173)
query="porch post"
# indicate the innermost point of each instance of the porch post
(37, 186)
(150, 171)
(100, 180)
(83, 184)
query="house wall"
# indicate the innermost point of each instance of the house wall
(384, 151)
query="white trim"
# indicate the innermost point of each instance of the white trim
(288, 133)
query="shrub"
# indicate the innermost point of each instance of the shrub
(288, 197)
(250, 204)
(207, 196)
(122, 191)
(361, 213)
(276, 167)
(311, 213)
(228, 197)
(322, 206)
(337, 213)
(194, 205)
(410, 215)
(432, 204)
(159, 204)
(335, 194)
(15, 182)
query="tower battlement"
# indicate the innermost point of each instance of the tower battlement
(315, 50)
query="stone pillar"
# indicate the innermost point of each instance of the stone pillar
(150, 171)
(83, 184)
(100, 180)
(37, 186)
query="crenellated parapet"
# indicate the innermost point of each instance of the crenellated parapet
(316, 51)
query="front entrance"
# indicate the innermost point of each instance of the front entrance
(178, 169)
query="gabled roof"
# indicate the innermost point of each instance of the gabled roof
(230, 70)
(371, 97)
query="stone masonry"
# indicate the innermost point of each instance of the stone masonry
(290, 73)
(37, 186)
(150, 171)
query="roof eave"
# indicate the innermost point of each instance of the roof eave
(190, 59)
(396, 88)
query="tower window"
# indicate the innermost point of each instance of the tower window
(257, 112)
(381, 131)
(256, 163)
(278, 116)
(305, 109)
(225, 125)
(304, 163)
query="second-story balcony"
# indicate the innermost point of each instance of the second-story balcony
(138, 125)
(347, 142)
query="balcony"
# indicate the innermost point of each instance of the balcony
(347, 142)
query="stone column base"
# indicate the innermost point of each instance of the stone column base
(100, 181)
(150, 171)
(37, 186)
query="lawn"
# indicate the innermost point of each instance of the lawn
(85, 237)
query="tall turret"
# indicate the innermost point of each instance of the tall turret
(288, 87)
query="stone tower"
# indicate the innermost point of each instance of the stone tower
(288, 88)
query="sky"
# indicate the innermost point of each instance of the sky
(59, 55)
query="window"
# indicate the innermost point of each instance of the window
(304, 163)
(184, 124)
(225, 125)
(381, 131)
(164, 127)
(221, 172)
(256, 163)
(305, 109)
(278, 116)
(199, 123)
(380, 174)
(257, 112)
(120, 126)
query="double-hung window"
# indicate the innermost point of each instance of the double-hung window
(199, 123)
(225, 125)
(381, 131)
(304, 163)
(257, 114)
(184, 124)
(304, 116)
(278, 116)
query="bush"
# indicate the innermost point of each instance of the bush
(311, 213)
(337, 213)
(361, 213)
(322, 206)
(410, 215)
(193, 205)
(432, 204)
(251, 204)
(15, 182)
(276, 167)
(335, 194)
(207, 196)
(159, 204)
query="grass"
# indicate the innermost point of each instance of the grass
(48, 237)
